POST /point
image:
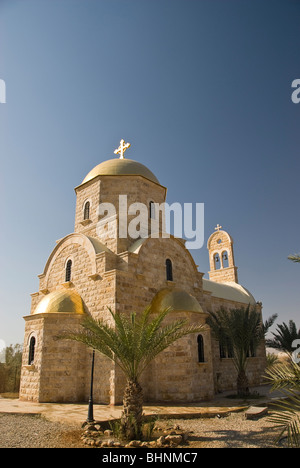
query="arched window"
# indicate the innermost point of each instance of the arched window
(68, 270)
(225, 259)
(169, 271)
(86, 211)
(151, 210)
(200, 348)
(31, 350)
(217, 262)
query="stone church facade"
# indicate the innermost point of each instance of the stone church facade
(94, 269)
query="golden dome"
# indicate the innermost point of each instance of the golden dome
(60, 301)
(121, 167)
(176, 299)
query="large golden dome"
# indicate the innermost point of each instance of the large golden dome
(120, 167)
(62, 300)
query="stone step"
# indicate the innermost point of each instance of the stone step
(256, 412)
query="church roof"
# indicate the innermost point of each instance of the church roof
(62, 300)
(230, 291)
(120, 167)
(176, 299)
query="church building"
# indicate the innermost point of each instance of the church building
(94, 268)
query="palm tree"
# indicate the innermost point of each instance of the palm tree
(243, 330)
(132, 342)
(284, 337)
(287, 378)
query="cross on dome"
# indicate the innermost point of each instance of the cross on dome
(218, 227)
(122, 148)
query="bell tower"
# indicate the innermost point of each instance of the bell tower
(221, 257)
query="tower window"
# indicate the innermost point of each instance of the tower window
(68, 270)
(225, 259)
(169, 270)
(200, 348)
(217, 262)
(86, 211)
(31, 350)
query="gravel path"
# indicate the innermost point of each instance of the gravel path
(28, 431)
(233, 431)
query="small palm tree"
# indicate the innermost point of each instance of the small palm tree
(284, 337)
(287, 378)
(242, 329)
(132, 342)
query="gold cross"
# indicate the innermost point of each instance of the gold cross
(218, 227)
(122, 148)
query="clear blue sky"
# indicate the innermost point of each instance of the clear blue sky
(202, 91)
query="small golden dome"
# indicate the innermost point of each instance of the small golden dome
(176, 299)
(60, 301)
(120, 167)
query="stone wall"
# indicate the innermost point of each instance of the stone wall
(30, 375)
(176, 374)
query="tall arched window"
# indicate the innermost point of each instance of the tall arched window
(217, 262)
(200, 348)
(31, 350)
(68, 270)
(169, 270)
(225, 259)
(86, 211)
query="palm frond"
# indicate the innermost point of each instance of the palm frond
(269, 322)
(133, 340)
(295, 258)
(287, 378)
(287, 419)
(283, 375)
